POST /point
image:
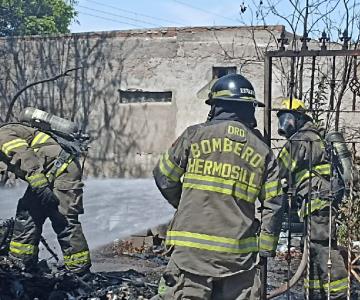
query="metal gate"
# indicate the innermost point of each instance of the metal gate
(328, 80)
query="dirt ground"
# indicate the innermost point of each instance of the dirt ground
(121, 272)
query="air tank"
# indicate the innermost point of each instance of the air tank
(336, 139)
(39, 118)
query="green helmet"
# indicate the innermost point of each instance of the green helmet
(233, 87)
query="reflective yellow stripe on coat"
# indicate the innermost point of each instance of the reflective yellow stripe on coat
(268, 242)
(211, 242)
(39, 139)
(37, 180)
(220, 185)
(169, 168)
(323, 169)
(272, 189)
(8, 147)
(286, 159)
(316, 204)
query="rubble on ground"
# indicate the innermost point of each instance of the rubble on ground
(123, 270)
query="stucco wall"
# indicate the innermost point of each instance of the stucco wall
(128, 138)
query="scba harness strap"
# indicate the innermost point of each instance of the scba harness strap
(59, 166)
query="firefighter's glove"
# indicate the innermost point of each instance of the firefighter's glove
(266, 253)
(46, 197)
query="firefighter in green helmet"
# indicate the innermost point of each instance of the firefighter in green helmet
(55, 189)
(305, 162)
(213, 174)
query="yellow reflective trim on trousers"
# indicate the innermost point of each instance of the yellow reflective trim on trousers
(13, 144)
(335, 286)
(284, 156)
(77, 258)
(220, 190)
(22, 249)
(39, 139)
(324, 169)
(316, 204)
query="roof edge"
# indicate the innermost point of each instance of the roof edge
(160, 32)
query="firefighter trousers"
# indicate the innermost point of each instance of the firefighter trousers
(177, 284)
(319, 255)
(31, 215)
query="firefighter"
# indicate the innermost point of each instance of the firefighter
(305, 149)
(213, 174)
(55, 191)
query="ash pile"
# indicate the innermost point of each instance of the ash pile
(52, 282)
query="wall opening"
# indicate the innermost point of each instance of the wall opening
(140, 96)
(222, 71)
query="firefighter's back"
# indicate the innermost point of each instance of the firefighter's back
(215, 226)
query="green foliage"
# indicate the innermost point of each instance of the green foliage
(30, 17)
(349, 217)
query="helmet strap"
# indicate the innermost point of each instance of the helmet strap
(211, 113)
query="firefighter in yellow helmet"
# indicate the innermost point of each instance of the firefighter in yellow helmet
(212, 175)
(303, 159)
(55, 189)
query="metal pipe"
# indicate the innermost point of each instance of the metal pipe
(291, 193)
(332, 84)
(308, 224)
(329, 262)
(355, 76)
(267, 135)
(267, 99)
(312, 81)
(320, 53)
(349, 238)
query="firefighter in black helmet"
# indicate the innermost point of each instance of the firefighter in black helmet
(305, 149)
(212, 175)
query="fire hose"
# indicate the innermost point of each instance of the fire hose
(286, 286)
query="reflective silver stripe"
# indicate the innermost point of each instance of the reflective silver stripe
(211, 242)
(220, 185)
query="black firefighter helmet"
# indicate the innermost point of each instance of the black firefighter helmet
(233, 87)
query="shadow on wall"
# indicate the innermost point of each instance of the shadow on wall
(88, 96)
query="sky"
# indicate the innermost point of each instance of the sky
(99, 15)
(107, 15)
